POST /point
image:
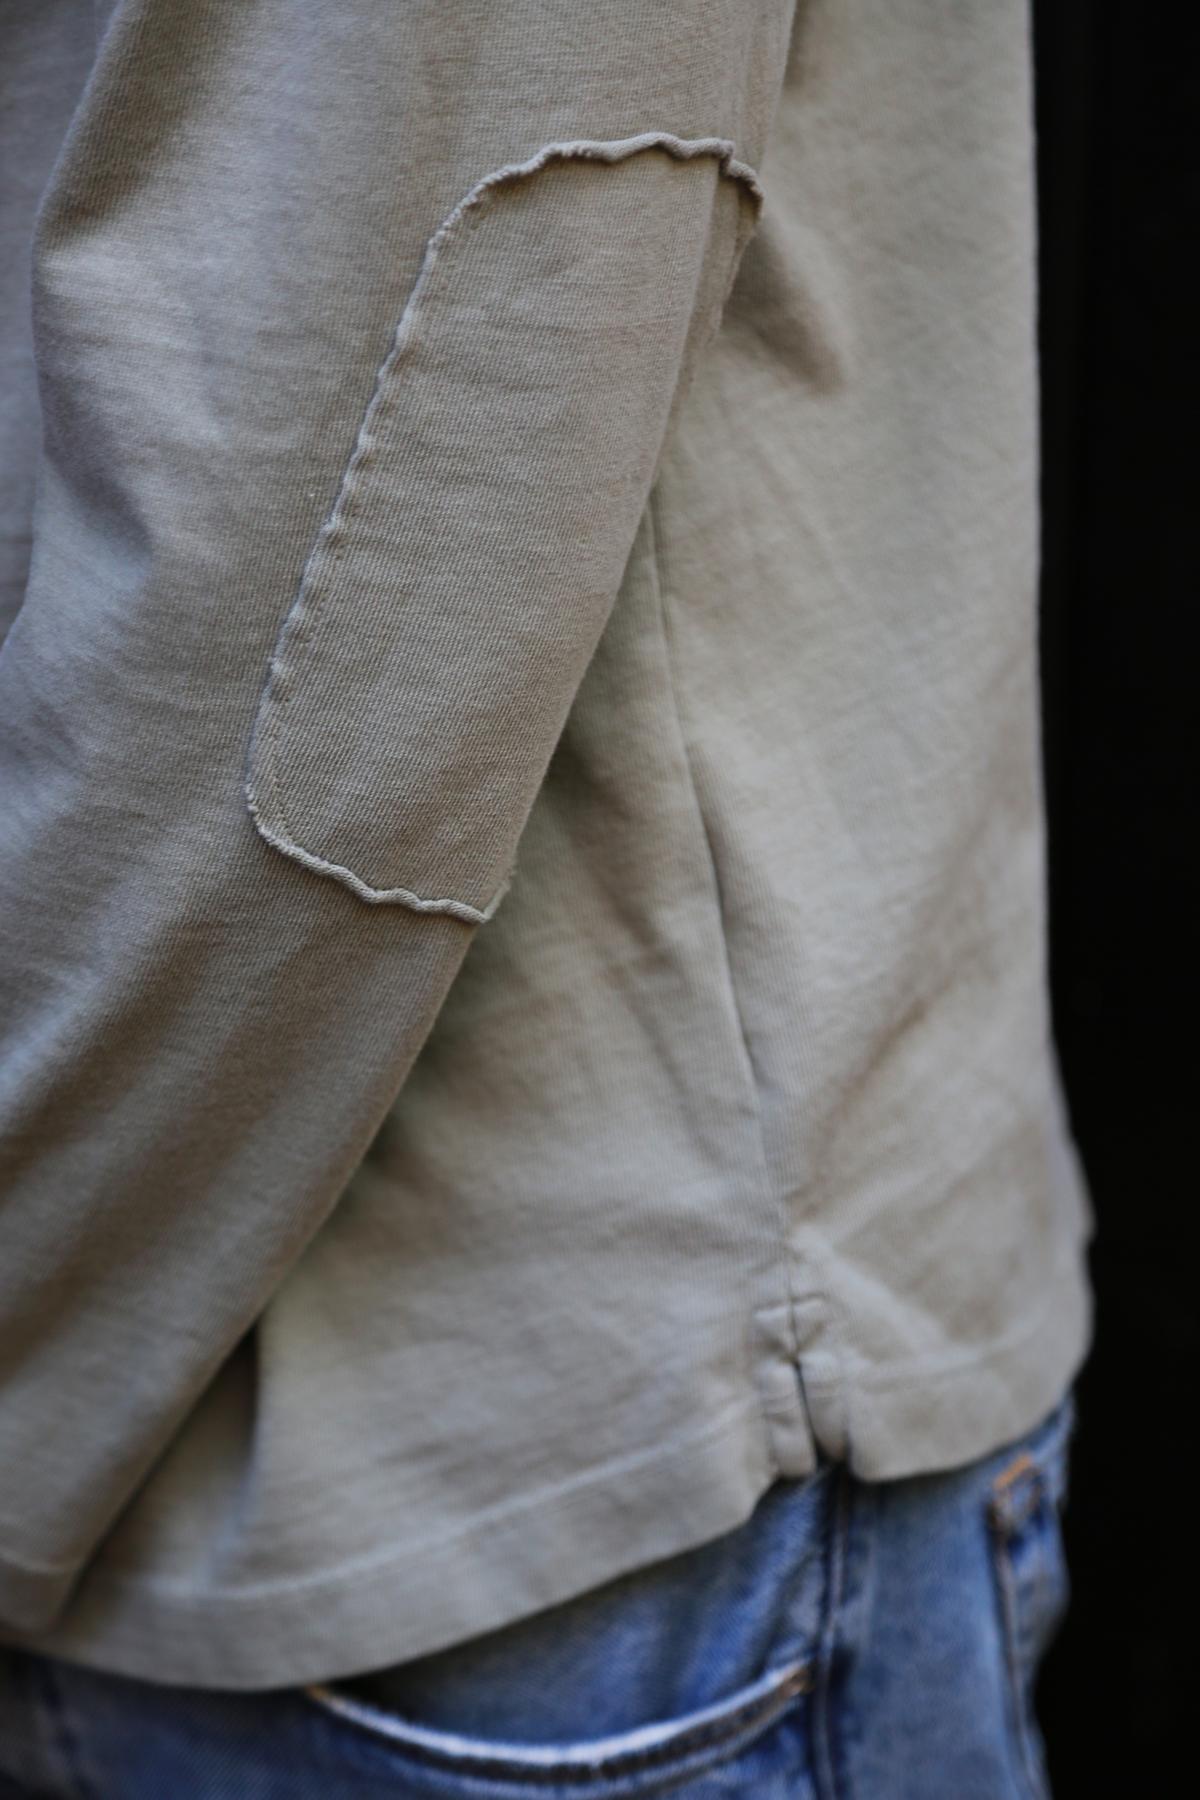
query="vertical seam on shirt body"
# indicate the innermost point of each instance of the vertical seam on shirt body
(661, 583)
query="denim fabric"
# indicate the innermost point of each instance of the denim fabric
(873, 1639)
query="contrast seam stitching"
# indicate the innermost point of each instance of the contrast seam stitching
(1007, 1581)
(330, 544)
(688, 1743)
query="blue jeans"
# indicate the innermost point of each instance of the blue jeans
(873, 1640)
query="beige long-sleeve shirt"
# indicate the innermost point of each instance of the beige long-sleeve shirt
(523, 1007)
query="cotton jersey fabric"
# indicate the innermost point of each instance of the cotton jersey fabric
(522, 852)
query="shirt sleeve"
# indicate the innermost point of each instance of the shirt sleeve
(359, 333)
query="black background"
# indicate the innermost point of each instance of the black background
(1118, 108)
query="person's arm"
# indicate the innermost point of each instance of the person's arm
(360, 329)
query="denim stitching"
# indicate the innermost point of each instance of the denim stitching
(824, 1771)
(1017, 1492)
(66, 1740)
(727, 1729)
(1006, 1582)
(294, 641)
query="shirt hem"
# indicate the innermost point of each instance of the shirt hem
(509, 1564)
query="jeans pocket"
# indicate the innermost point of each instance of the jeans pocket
(1025, 1506)
(648, 1759)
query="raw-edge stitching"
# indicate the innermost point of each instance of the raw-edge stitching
(298, 622)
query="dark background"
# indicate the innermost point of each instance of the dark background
(1118, 108)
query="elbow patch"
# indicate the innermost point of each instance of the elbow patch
(456, 592)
